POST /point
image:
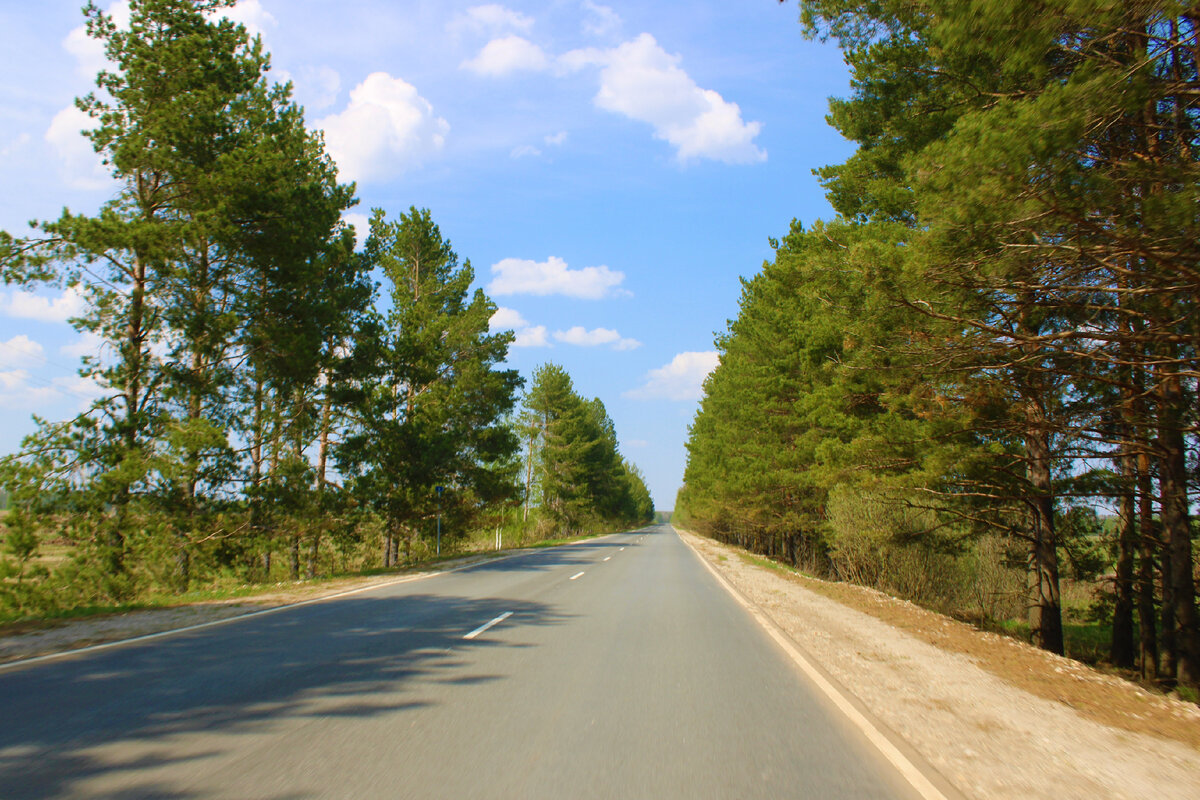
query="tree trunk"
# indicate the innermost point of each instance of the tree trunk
(1147, 546)
(1121, 651)
(1177, 535)
(1046, 610)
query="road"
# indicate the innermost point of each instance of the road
(616, 668)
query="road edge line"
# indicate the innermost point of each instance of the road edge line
(91, 648)
(911, 773)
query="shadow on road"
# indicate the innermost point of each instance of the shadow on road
(115, 718)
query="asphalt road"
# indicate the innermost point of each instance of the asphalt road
(614, 668)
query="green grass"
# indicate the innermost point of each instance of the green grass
(217, 592)
(1084, 641)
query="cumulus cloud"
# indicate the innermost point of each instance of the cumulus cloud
(89, 52)
(508, 319)
(582, 337)
(28, 305)
(386, 129)
(21, 351)
(640, 80)
(682, 379)
(553, 276)
(501, 57)
(362, 226)
(250, 14)
(533, 336)
(79, 165)
(490, 19)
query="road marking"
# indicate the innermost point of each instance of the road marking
(621, 549)
(606, 558)
(487, 625)
(910, 771)
(576, 575)
(273, 610)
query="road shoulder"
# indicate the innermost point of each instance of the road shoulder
(962, 699)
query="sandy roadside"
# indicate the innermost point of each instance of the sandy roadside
(980, 708)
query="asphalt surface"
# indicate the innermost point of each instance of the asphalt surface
(622, 669)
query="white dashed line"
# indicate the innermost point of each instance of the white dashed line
(576, 575)
(606, 558)
(487, 625)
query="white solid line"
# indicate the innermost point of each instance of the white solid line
(915, 777)
(576, 575)
(198, 626)
(487, 625)
(272, 610)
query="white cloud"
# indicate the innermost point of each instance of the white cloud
(386, 129)
(682, 379)
(582, 337)
(553, 276)
(88, 344)
(506, 319)
(511, 320)
(80, 166)
(524, 151)
(601, 20)
(505, 56)
(315, 88)
(362, 226)
(532, 337)
(490, 19)
(21, 351)
(21, 391)
(89, 52)
(556, 139)
(27, 305)
(251, 14)
(640, 80)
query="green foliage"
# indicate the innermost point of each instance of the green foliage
(245, 351)
(999, 328)
(583, 482)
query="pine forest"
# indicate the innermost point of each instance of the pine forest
(975, 387)
(278, 404)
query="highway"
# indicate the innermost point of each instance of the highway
(617, 667)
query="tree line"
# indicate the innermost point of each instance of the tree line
(997, 334)
(261, 397)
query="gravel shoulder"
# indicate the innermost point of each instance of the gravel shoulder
(996, 717)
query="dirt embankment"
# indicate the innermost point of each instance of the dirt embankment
(998, 718)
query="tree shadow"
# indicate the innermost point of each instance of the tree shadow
(106, 717)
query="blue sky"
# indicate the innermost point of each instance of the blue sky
(609, 169)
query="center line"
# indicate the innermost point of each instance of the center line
(487, 625)
(576, 575)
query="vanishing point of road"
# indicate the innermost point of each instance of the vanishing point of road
(617, 667)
